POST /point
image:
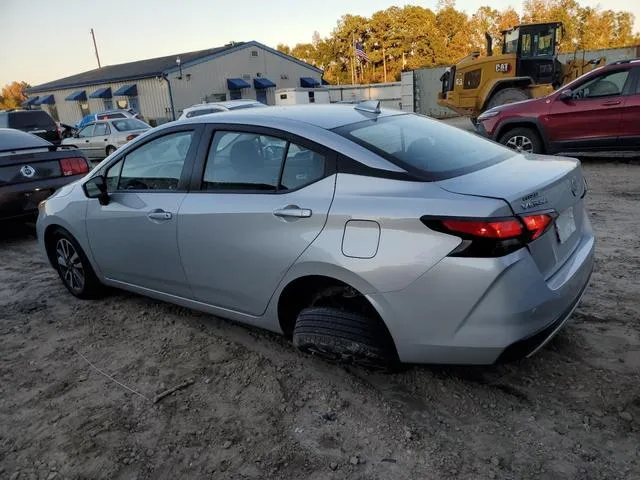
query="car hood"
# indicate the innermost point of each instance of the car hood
(522, 106)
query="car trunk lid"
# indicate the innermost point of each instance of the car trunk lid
(531, 185)
(33, 165)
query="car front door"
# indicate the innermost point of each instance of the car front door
(630, 126)
(84, 140)
(592, 116)
(262, 200)
(133, 238)
(100, 139)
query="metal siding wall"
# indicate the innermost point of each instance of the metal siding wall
(152, 97)
(408, 103)
(210, 77)
(389, 94)
(427, 80)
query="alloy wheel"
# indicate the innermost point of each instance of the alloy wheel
(520, 143)
(70, 265)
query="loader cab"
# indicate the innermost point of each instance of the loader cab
(535, 47)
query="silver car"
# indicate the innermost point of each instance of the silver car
(100, 139)
(368, 236)
(217, 107)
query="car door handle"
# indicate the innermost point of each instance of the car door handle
(612, 102)
(159, 215)
(292, 211)
(86, 141)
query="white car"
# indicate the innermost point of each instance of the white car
(100, 139)
(215, 107)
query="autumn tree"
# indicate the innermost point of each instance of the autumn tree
(12, 95)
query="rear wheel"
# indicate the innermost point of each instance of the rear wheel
(522, 139)
(73, 267)
(341, 336)
(508, 95)
(110, 150)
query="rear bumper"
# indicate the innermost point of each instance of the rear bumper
(480, 311)
(21, 200)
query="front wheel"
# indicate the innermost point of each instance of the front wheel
(522, 139)
(74, 268)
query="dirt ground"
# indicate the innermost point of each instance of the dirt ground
(259, 409)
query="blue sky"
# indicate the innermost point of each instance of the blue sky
(43, 40)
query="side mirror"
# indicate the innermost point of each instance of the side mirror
(97, 188)
(565, 95)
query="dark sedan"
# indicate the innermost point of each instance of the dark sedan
(31, 169)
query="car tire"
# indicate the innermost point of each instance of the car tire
(344, 337)
(74, 267)
(110, 150)
(508, 95)
(522, 139)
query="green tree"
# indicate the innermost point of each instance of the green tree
(12, 95)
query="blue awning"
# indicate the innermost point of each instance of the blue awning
(237, 84)
(47, 100)
(30, 101)
(308, 82)
(263, 83)
(101, 93)
(78, 96)
(126, 91)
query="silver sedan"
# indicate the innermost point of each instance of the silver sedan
(100, 139)
(369, 236)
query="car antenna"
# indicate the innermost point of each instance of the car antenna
(370, 106)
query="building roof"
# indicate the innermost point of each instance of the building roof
(152, 67)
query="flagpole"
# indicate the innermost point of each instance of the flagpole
(353, 59)
(384, 64)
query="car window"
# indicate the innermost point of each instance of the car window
(607, 85)
(301, 167)
(156, 165)
(101, 129)
(113, 175)
(638, 80)
(427, 147)
(86, 131)
(244, 161)
(31, 119)
(115, 115)
(204, 111)
(128, 124)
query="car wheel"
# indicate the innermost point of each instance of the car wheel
(508, 95)
(74, 268)
(522, 139)
(344, 337)
(110, 150)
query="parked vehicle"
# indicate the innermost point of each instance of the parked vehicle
(37, 122)
(598, 111)
(100, 139)
(301, 96)
(107, 115)
(217, 107)
(369, 236)
(31, 169)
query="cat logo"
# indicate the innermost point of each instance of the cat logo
(503, 67)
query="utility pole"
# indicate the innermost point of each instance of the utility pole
(353, 59)
(384, 64)
(95, 47)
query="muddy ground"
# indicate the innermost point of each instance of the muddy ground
(259, 409)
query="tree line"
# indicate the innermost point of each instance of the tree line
(12, 95)
(410, 37)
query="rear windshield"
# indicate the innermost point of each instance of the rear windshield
(246, 105)
(128, 124)
(204, 111)
(31, 119)
(425, 147)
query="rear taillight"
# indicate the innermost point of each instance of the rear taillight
(131, 137)
(73, 166)
(491, 237)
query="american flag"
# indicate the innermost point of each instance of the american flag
(360, 52)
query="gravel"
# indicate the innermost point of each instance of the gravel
(524, 420)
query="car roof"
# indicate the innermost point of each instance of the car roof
(326, 116)
(11, 139)
(228, 104)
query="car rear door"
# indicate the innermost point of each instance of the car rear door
(84, 140)
(259, 198)
(591, 119)
(134, 237)
(100, 139)
(630, 125)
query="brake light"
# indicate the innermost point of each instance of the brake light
(131, 137)
(537, 224)
(73, 166)
(500, 229)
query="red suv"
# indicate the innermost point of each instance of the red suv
(598, 111)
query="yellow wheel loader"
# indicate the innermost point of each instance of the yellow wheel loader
(527, 68)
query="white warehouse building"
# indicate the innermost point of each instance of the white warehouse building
(160, 88)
